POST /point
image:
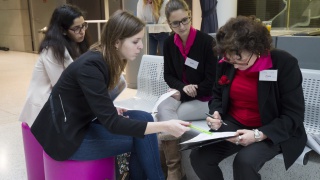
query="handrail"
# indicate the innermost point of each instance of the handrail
(98, 26)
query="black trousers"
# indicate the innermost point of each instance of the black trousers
(249, 160)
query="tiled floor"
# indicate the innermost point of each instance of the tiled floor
(15, 73)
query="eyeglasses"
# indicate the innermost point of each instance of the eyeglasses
(183, 21)
(78, 29)
(238, 58)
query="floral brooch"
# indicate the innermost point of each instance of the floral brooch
(224, 80)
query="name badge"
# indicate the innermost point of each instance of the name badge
(268, 75)
(191, 63)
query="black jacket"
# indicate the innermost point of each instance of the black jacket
(281, 104)
(204, 76)
(78, 97)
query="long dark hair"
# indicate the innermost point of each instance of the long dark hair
(121, 25)
(61, 20)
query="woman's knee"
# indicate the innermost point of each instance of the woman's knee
(243, 160)
(194, 161)
(197, 160)
(166, 106)
(168, 109)
(139, 115)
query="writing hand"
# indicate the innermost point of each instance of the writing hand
(214, 121)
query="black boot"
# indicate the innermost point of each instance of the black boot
(4, 48)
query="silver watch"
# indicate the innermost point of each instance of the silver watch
(257, 135)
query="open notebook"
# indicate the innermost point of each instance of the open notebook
(162, 98)
(204, 139)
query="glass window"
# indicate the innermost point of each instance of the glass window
(283, 13)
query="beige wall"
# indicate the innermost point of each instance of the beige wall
(16, 30)
(196, 14)
(15, 25)
(41, 12)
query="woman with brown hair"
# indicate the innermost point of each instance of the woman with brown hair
(80, 122)
(189, 68)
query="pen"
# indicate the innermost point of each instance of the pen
(215, 118)
(200, 129)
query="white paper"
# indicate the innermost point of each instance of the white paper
(162, 98)
(214, 135)
(191, 63)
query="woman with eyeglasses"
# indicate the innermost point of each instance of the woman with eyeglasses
(152, 12)
(64, 41)
(189, 68)
(258, 93)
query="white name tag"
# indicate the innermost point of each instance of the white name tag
(268, 75)
(191, 63)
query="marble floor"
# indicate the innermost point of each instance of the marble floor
(15, 74)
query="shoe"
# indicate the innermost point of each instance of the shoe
(4, 48)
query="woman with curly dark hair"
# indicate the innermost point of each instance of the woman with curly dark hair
(258, 93)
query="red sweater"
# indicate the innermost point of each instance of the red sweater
(244, 98)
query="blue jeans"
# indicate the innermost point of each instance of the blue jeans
(155, 40)
(100, 143)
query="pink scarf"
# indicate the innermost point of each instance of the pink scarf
(185, 50)
(178, 42)
(262, 63)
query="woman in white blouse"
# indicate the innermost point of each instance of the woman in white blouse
(64, 41)
(152, 12)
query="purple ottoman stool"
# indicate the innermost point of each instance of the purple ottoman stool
(101, 169)
(33, 154)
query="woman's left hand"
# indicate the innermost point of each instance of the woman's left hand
(191, 90)
(214, 123)
(243, 137)
(121, 111)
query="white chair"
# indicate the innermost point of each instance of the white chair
(121, 86)
(311, 86)
(151, 85)
(311, 91)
